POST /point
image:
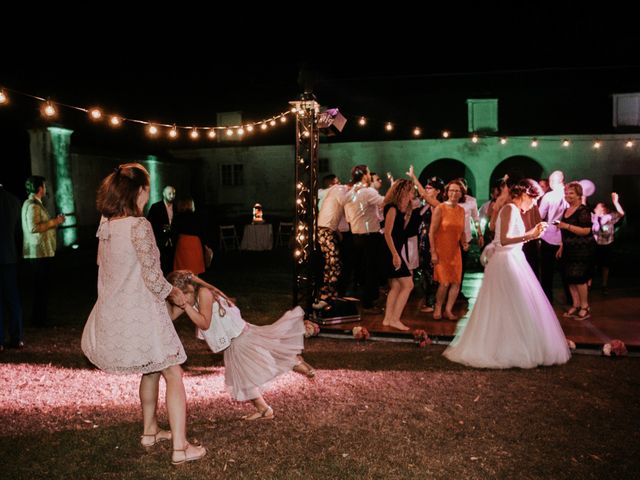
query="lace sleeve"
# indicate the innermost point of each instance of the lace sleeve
(148, 255)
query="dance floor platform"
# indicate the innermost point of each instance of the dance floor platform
(614, 316)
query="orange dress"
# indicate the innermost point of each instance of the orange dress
(447, 244)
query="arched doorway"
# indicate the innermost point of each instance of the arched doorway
(517, 167)
(448, 169)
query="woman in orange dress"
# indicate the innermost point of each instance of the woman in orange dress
(446, 235)
(190, 245)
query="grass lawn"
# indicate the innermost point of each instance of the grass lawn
(374, 410)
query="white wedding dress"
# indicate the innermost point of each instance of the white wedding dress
(512, 323)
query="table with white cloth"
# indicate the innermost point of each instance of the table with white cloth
(257, 237)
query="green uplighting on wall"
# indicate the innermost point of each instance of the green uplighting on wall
(153, 166)
(60, 140)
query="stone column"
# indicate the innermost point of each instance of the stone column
(51, 158)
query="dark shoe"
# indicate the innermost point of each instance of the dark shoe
(1, 348)
(605, 291)
(571, 312)
(583, 313)
(19, 345)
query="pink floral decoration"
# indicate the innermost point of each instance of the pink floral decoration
(311, 329)
(615, 348)
(421, 338)
(360, 333)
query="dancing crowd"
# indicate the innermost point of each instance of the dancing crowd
(148, 277)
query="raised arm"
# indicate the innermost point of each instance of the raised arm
(615, 198)
(430, 199)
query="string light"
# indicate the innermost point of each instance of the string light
(49, 110)
(95, 114)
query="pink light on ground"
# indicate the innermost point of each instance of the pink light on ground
(56, 398)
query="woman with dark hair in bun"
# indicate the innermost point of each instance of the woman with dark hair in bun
(512, 323)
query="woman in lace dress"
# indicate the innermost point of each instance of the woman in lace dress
(129, 329)
(253, 355)
(512, 323)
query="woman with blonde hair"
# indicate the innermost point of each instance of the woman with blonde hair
(397, 229)
(129, 329)
(577, 251)
(253, 355)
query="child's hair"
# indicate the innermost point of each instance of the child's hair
(182, 279)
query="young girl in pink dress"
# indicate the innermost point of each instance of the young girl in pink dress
(253, 355)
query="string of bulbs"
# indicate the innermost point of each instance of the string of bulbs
(49, 110)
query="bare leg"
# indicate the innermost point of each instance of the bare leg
(263, 410)
(260, 404)
(176, 405)
(575, 296)
(440, 296)
(406, 285)
(149, 385)
(583, 294)
(451, 300)
(605, 277)
(392, 298)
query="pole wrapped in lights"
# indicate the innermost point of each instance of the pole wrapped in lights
(305, 250)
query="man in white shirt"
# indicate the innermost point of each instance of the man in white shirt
(331, 221)
(361, 210)
(327, 182)
(551, 208)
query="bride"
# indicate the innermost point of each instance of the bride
(512, 323)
